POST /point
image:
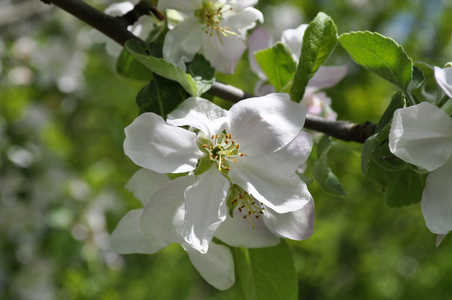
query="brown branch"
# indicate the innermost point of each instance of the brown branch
(116, 29)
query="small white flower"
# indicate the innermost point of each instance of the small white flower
(422, 135)
(317, 103)
(248, 154)
(160, 223)
(444, 79)
(214, 28)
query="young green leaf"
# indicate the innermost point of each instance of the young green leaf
(319, 40)
(202, 73)
(267, 273)
(323, 175)
(379, 54)
(159, 66)
(401, 185)
(381, 132)
(278, 64)
(128, 67)
(160, 96)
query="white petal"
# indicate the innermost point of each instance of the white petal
(294, 154)
(154, 144)
(238, 232)
(418, 140)
(269, 184)
(437, 200)
(205, 208)
(239, 5)
(163, 216)
(222, 52)
(243, 20)
(216, 266)
(127, 237)
(294, 39)
(118, 9)
(186, 6)
(144, 183)
(444, 79)
(182, 43)
(297, 225)
(199, 113)
(258, 40)
(265, 124)
(326, 77)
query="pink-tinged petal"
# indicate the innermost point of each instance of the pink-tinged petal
(216, 266)
(418, 140)
(440, 238)
(238, 232)
(326, 77)
(183, 42)
(128, 238)
(269, 184)
(265, 124)
(205, 208)
(296, 225)
(154, 144)
(222, 52)
(144, 183)
(199, 113)
(294, 39)
(187, 7)
(258, 40)
(444, 79)
(437, 200)
(294, 154)
(163, 216)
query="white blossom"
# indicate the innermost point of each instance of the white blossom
(215, 28)
(248, 155)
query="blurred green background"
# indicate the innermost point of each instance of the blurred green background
(62, 167)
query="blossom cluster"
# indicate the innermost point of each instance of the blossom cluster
(240, 182)
(417, 140)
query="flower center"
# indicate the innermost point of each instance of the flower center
(223, 150)
(246, 204)
(211, 14)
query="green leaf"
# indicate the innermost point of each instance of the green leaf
(401, 185)
(382, 131)
(322, 173)
(159, 66)
(319, 40)
(278, 64)
(128, 67)
(267, 273)
(202, 72)
(379, 54)
(160, 96)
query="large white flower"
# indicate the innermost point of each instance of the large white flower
(317, 103)
(160, 223)
(247, 155)
(422, 135)
(214, 28)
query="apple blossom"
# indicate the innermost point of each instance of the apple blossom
(317, 103)
(215, 28)
(244, 160)
(417, 140)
